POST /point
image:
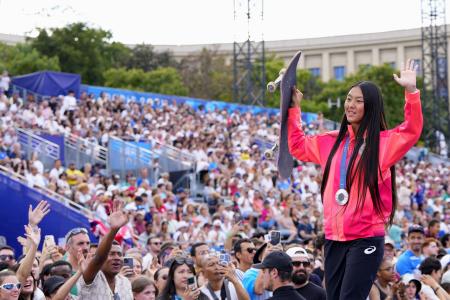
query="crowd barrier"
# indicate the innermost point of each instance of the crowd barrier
(15, 198)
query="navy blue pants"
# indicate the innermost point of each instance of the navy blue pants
(351, 267)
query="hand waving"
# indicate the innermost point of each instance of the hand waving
(407, 77)
(33, 235)
(35, 216)
(118, 217)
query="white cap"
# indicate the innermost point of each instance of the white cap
(182, 224)
(217, 222)
(297, 252)
(446, 277)
(445, 260)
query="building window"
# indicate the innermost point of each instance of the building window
(315, 72)
(339, 72)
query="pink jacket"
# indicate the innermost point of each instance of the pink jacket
(341, 223)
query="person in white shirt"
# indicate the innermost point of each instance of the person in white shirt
(57, 170)
(5, 80)
(34, 178)
(431, 269)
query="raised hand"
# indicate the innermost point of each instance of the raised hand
(82, 262)
(407, 77)
(191, 294)
(22, 241)
(33, 235)
(35, 216)
(118, 217)
(297, 97)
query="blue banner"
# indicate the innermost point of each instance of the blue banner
(209, 105)
(16, 197)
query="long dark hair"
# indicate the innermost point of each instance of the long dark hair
(368, 167)
(169, 290)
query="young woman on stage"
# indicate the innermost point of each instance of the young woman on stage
(358, 187)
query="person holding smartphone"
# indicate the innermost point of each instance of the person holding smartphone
(222, 280)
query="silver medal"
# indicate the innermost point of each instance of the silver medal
(341, 197)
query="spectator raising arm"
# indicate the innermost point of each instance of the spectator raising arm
(64, 290)
(33, 237)
(116, 220)
(36, 215)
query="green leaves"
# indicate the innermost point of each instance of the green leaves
(22, 59)
(161, 80)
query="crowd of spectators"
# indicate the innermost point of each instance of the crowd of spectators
(168, 231)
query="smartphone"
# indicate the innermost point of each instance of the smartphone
(128, 261)
(192, 283)
(275, 237)
(238, 218)
(49, 240)
(224, 259)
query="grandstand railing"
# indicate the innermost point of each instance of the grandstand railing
(48, 151)
(81, 151)
(67, 202)
(23, 93)
(128, 158)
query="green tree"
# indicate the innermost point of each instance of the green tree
(207, 75)
(81, 49)
(306, 82)
(22, 59)
(161, 80)
(144, 57)
(393, 94)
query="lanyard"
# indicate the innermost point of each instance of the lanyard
(343, 170)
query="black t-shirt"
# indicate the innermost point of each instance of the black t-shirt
(319, 272)
(312, 292)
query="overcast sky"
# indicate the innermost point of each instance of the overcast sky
(212, 21)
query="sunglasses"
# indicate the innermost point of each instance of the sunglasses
(75, 231)
(251, 250)
(299, 263)
(10, 286)
(6, 257)
(184, 260)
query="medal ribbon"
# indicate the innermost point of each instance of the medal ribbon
(343, 171)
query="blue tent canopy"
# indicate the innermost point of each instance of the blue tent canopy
(49, 83)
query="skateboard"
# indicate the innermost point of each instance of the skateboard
(285, 161)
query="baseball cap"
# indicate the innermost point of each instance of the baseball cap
(415, 228)
(389, 241)
(276, 260)
(51, 284)
(446, 277)
(295, 252)
(407, 278)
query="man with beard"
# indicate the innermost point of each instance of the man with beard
(277, 273)
(101, 279)
(77, 240)
(300, 275)
(409, 260)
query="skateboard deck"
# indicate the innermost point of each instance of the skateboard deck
(285, 162)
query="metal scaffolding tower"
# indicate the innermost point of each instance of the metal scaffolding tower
(249, 81)
(435, 76)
